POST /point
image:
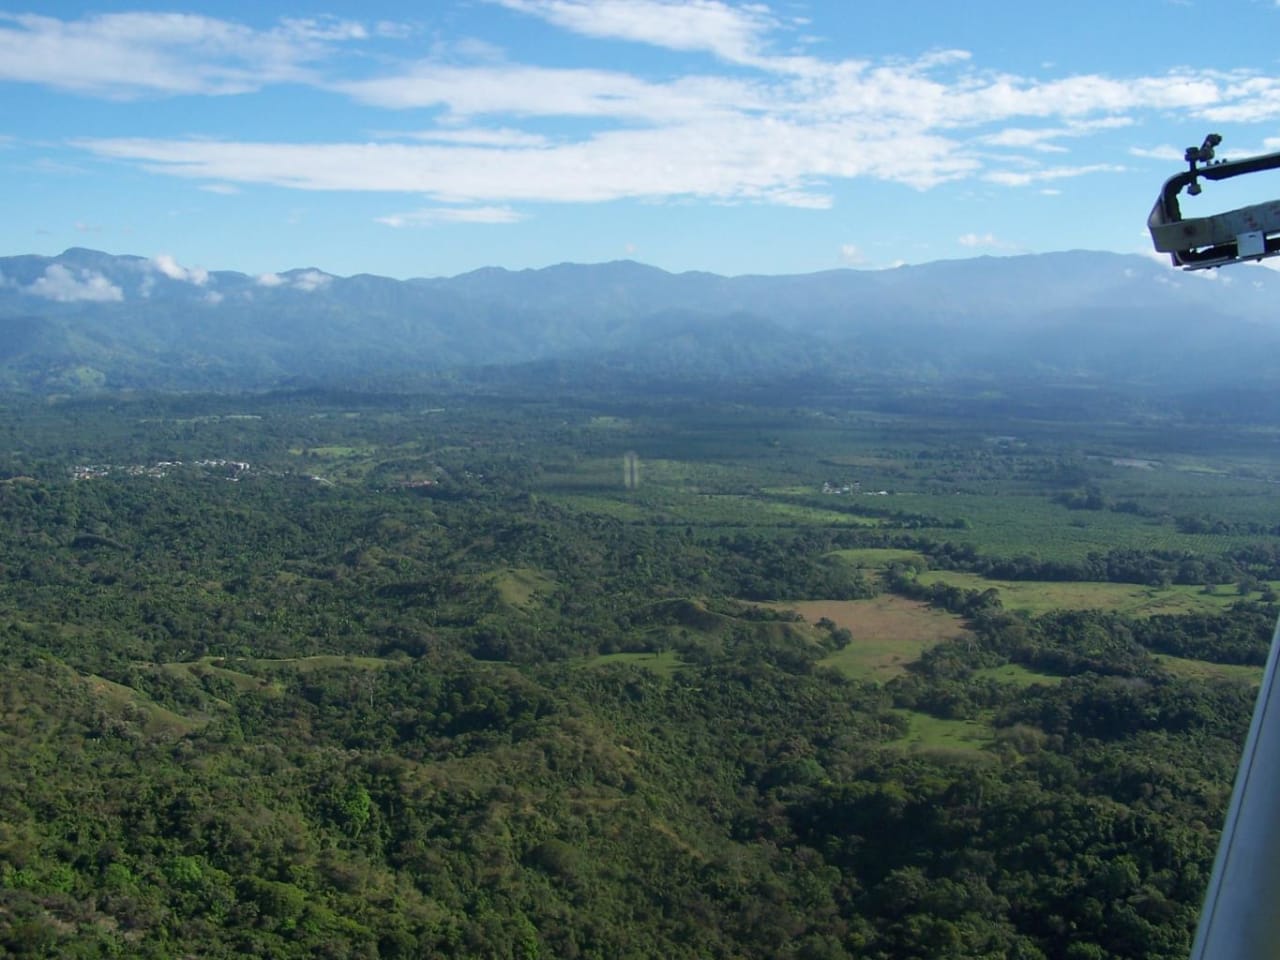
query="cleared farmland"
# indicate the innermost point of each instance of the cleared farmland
(888, 632)
(1038, 596)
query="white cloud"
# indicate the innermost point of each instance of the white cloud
(1026, 140)
(1255, 99)
(308, 281)
(773, 129)
(778, 137)
(392, 29)
(851, 254)
(479, 136)
(224, 189)
(311, 280)
(165, 264)
(767, 160)
(1161, 258)
(803, 199)
(1014, 178)
(733, 33)
(1041, 139)
(325, 28)
(213, 297)
(530, 91)
(126, 55)
(979, 240)
(1086, 95)
(1164, 152)
(60, 283)
(433, 215)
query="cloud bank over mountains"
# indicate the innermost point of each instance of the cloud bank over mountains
(68, 285)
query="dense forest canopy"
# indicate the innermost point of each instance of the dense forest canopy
(324, 674)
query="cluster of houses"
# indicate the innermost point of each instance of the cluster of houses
(161, 468)
(847, 489)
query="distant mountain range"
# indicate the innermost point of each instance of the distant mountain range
(86, 320)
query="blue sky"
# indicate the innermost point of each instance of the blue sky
(433, 138)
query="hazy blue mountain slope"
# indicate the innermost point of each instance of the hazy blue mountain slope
(87, 319)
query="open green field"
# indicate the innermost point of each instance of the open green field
(243, 673)
(618, 506)
(1204, 670)
(521, 587)
(334, 451)
(935, 734)
(155, 719)
(799, 513)
(356, 462)
(1036, 596)
(1016, 673)
(888, 632)
(658, 475)
(1031, 524)
(663, 664)
(321, 662)
(215, 667)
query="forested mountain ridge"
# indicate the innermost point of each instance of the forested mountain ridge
(91, 320)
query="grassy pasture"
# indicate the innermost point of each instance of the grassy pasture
(934, 734)
(663, 664)
(361, 462)
(888, 632)
(242, 671)
(1016, 673)
(1037, 597)
(345, 463)
(213, 666)
(1013, 525)
(520, 587)
(326, 661)
(796, 513)
(154, 718)
(334, 451)
(1204, 670)
(658, 476)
